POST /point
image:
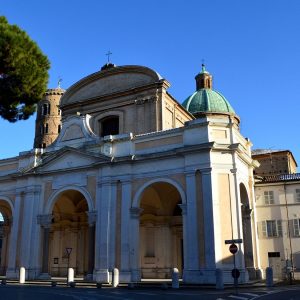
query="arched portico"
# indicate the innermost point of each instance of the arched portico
(160, 228)
(247, 231)
(68, 227)
(6, 209)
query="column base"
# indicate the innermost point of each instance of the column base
(101, 276)
(125, 276)
(32, 273)
(12, 274)
(136, 275)
(45, 276)
(89, 277)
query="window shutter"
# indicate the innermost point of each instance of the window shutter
(296, 227)
(264, 229)
(279, 228)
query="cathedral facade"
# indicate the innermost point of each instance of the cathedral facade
(123, 176)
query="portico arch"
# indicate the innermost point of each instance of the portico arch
(54, 196)
(137, 198)
(6, 211)
(160, 228)
(247, 231)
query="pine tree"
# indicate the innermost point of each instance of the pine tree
(23, 73)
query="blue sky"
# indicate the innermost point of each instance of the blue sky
(252, 48)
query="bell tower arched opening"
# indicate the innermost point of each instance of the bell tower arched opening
(161, 237)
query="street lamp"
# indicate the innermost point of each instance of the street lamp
(68, 250)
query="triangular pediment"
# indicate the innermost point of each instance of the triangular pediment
(70, 158)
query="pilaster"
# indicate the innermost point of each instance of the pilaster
(45, 222)
(101, 273)
(12, 269)
(125, 274)
(135, 213)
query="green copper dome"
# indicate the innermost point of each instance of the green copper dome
(207, 100)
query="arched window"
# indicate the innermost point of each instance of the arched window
(46, 128)
(46, 109)
(59, 128)
(109, 126)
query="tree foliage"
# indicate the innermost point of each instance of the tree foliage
(23, 73)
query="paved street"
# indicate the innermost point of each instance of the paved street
(15, 292)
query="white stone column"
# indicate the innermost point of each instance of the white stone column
(185, 233)
(192, 237)
(12, 269)
(125, 275)
(102, 232)
(45, 222)
(31, 233)
(92, 217)
(34, 261)
(135, 244)
(112, 226)
(208, 220)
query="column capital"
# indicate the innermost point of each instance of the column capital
(183, 208)
(33, 190)
(45, 220)
(190, 173)
(92, 217)
(135, 212)
(19, 191)
(206, 171)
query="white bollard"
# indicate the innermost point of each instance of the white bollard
(70, 275)
(115, 277)
(175, 278)
(22, 275)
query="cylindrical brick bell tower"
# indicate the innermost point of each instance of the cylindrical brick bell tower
(48, 118)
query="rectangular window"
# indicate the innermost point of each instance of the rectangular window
(298, 195)
(269, 197)
(271, 228)
(273, 254)
(296, 226)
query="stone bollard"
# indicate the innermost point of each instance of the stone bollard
(115, 277)
(269, 277)
(175, 278)
(219, 279)
(22, 275)
(70, 275)
(72, 284)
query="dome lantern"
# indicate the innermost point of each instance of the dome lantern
(203, 79)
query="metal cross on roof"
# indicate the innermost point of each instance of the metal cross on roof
(59, 82)
(108, 54)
